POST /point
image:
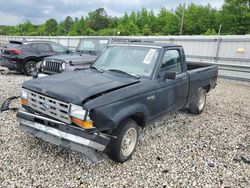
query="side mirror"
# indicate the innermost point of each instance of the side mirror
(170, 75)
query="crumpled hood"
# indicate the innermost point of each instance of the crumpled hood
(75, 87)
(74, 58)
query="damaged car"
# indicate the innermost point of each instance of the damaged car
(104, 106)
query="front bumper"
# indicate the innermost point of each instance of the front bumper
(59, 133)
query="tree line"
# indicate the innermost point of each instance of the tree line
(232, 18)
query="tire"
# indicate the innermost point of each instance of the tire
(29, 67)
(121, 148)
(199, 104)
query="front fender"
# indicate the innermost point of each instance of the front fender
(109, 117)
(129, 111)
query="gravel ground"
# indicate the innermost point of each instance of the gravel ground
(181, 150)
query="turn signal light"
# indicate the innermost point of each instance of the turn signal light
(82, 123)
(24, 101)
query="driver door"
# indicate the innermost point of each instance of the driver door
(172, 93)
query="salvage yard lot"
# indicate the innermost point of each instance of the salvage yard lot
(180, 149)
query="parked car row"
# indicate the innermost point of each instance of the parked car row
(42, 58)
(22, 56)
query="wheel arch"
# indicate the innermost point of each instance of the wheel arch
(32, 58)
(138, 117)
(207, 88)
(137, 113)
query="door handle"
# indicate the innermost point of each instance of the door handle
(184, 78)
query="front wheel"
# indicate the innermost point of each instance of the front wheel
(199, 104)
(122, 146)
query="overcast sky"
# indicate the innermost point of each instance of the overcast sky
(13, 12)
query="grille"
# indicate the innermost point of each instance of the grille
(52, 66)
(51, 107)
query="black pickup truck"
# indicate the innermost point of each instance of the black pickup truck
(103, 107)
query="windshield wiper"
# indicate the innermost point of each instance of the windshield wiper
(124, 72)
(98, 69)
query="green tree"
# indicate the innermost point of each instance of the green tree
(51, 26)
(143, 19)
(26, 28)
(198, 19)
(146, 30)
(41, 30)
(167, 22)
(98, 19)
(131, 28)
(235, 17)
(67, 24)
(79, 27)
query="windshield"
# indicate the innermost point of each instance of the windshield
(131, 59)
(92, 46)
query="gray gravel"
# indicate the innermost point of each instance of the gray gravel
(209, 150)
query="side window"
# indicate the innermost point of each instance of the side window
(43, 46)
(58, 48)
(88, 45)
(171, 61)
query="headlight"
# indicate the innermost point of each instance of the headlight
(44, 63)
(80, 117)
(63, 66)
(77, 112)
(24, 94)
(38, 65)
(24, 97)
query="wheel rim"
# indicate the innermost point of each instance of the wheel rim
(129, 142)
(201, 102)
(30, 67)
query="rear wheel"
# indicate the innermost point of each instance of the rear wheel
(122, 147)
(29, 67)
(199, 104)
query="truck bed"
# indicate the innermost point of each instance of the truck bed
(196, 64)
(201, 75)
